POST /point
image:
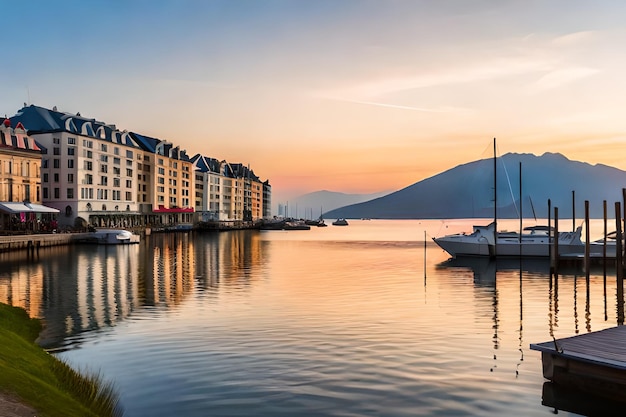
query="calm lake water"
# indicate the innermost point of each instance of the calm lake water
(364, 320)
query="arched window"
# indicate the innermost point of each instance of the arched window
(88, 206)
(117, 208)
(104, 207)
(127, 207)
(68, 210)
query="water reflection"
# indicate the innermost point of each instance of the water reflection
(91, 287)
(323, 322)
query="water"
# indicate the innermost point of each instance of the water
(361, 320)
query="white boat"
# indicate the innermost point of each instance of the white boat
(487, 241)
(109, 237)
(596, 248)
(534, 242)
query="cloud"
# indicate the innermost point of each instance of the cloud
(574, 38)
(398, 106)
(562, 76)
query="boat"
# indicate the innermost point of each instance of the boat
(296, 225)
(109, 237)
(340, 222)
(319, 222)
(532, 241)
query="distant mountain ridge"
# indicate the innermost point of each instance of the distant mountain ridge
(311, 205)
(466, 191)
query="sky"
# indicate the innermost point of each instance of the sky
(353, 96)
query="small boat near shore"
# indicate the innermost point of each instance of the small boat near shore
(109, 237)
(340, 222)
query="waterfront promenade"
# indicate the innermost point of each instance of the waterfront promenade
(35, 241)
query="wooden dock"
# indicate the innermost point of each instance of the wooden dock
(591, 362)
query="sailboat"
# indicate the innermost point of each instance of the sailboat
(529, 242)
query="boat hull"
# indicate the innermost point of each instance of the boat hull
(508, 244)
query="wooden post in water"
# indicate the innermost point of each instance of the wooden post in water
(604, 257)
(424, 258)
(618, 264)
(587, 247)
(520, 210)
(550, 234)
(556, 238)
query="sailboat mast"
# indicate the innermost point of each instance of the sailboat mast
(495, 199)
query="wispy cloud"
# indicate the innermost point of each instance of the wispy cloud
(562, 76)
(398, 106)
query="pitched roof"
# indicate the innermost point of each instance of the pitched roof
(41, 120)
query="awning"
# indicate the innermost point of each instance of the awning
(15, 208)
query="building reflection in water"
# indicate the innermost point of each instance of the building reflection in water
(77, 289)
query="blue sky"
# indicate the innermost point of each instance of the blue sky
(346, 95)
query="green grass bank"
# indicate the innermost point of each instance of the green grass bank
(42, 381)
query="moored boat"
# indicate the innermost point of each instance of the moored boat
(109, 237)
(340, 222)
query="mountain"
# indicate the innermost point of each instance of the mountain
(466, 191)
(311, 205)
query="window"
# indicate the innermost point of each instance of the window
(104, 158)
(160, 161)
(104, 168)
(45, 193)
(116, 161)
(129, 184)
(70, 178)
(161, 171)
(44, 164)
(104, 180)
(56, 177)
(56, 141)
(116, 182)
(116, 150)
(88, 179)
(116, 171)
(103, 147)
(56, 163)
(129, 172)
(57, 192)
(129, 154)
(71, 151)
(129, 196)
(45, 177)
(71, 141)
(56, 151)
(70, 163)
(87, 154)
(70, 193)
(88, 166)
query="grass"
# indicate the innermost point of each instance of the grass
(44, 382)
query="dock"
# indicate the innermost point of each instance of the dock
(593, 362)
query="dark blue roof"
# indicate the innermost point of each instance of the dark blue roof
(206, 164)
(41, 120)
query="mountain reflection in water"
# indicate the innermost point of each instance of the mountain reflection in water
(365, 320)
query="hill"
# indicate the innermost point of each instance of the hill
(466, 191)
(310, 205)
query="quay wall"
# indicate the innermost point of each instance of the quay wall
(33, 242)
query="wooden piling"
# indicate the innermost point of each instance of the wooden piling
(587, 247)
(550, 234)
(556, 239)
(618, 264)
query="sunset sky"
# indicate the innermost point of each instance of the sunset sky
(354, 96)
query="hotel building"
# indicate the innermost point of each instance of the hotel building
(97, 175)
